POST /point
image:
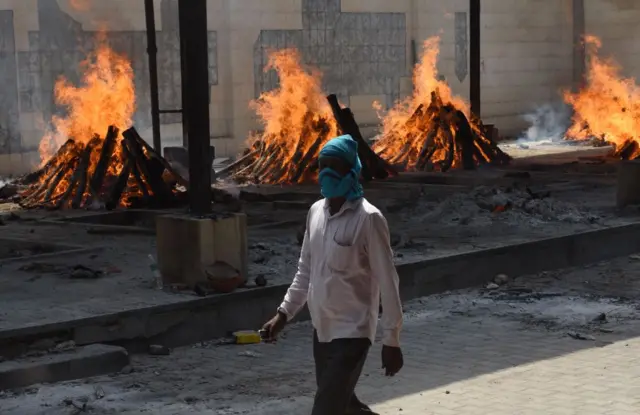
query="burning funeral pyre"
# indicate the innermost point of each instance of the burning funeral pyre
(433, 130)
(86, 162)
(607, 108)
(298, 119)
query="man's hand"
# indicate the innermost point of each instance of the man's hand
(274, 326)
(392, 360)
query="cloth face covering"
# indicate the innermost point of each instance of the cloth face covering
(332, 184)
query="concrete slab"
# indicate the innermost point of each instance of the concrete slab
(192, 320)
(15, 250)
(82, 362)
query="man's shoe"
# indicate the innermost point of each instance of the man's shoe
(358, 408)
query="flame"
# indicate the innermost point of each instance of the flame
(297, 121)
(608, 106)
(105, 97)
(433, 110)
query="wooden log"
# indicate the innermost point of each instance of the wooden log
(310, 156)
(373, 165)
(450, 144)
(135, 172)
(227, 170)
(57, 179)
(79, 172)
(628, 149)
(85, 162)
(465, 140)
(428, 148)
(133, 134)
(113, 200)
(51, 163)
(159, 188)
(106, 154)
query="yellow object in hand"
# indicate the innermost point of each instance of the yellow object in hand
(247, 337)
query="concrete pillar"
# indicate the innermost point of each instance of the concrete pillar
(628, 191)
(187, 246)
(579, 51)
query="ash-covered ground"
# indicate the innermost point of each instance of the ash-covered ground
(462, 349)
(427, 227)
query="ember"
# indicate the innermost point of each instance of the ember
(607, 108)
(298, 119)
(433, 129)
(80, 167)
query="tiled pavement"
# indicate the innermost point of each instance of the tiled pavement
(475, 363)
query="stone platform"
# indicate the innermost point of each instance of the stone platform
(180, 320)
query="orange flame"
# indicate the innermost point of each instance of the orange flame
(105, 97)
(432, 108)
(608, 106)
(297, 120)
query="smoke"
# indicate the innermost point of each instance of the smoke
(548, 124)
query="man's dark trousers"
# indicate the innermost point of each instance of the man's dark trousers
(338, 368)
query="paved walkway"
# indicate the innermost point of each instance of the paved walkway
(463, 356)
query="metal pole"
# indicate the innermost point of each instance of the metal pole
(194, 51)
(579, 50)
(152, 51)
(475, 61)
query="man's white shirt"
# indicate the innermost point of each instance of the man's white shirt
(345, 264)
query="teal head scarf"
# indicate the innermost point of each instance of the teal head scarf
(332, 184)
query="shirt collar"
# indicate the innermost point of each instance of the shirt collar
(348, 205)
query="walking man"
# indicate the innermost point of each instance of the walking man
(345, 265)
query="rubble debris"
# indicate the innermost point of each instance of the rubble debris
(600, 318)
(261, 281)
(65, 346)
(81, 272)
(98, 393)
(8, 191)
(485, 205)
(501, 279)
(223, 278)
(159, 350)
(580, 336)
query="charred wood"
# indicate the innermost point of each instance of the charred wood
(103, 162)
(151, 175)
(113, 200)
(372, 165)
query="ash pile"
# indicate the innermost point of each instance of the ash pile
(516, 206)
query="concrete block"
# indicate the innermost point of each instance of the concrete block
(628, 189)
(82, 362)
(187, 245)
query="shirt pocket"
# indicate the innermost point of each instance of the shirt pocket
(342, 257)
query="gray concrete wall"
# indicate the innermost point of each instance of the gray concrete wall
(617, 24)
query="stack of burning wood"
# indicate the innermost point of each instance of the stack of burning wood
(284, 159)
(438, 138)
(104, 172)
